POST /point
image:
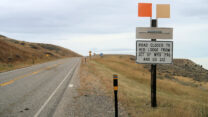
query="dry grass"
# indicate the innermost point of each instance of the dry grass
(16, 54)
(174, 98)
(21, 64)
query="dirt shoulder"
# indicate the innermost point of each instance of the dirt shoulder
(87, 97)
(96, 99)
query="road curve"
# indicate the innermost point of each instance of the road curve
(37, 90)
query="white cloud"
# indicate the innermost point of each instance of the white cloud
(82, 43)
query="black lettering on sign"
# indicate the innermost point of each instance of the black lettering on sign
(141, 49)
(165, 49)
(167, 54)
(167, 44)
(156, 45)
(146, 59)
(143, 44)
(157, 54)
(153, 49)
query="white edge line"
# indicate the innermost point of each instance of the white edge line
(54, 92)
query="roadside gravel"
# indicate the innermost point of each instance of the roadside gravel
(85, 97)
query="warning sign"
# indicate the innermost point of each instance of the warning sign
(154, 52)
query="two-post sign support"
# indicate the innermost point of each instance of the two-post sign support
(115, 85)
(153, 74)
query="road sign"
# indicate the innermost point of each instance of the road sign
(163, 10)
(145, 9)
(154, 33)
(154, 52)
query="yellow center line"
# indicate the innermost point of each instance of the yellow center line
(7, 83)
(29, 74)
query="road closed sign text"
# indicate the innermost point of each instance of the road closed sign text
(154, 52)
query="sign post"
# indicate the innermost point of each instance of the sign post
(153, 74)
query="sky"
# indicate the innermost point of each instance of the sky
(104, 26)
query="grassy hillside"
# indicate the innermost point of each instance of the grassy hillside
(15, 54)
(182, 88)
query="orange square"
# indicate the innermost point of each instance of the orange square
(163, 10)
(145, 9)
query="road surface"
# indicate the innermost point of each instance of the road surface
(37, 90)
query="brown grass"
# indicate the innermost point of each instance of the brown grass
(174, 98)
(16, 54)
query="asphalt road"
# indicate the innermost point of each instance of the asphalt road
(37, 90)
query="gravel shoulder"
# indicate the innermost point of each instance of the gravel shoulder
(86, 97)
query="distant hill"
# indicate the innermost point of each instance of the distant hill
(14, 52)
(184, 68)
(180, 67)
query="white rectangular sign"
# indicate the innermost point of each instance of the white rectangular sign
(154, 33)
(154, 52)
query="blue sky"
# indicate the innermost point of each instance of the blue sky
(104, 26)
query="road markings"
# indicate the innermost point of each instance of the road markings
(54, 92)
(7, 83)
(29, 74)
(70, 85)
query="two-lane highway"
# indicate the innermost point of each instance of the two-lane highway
(37, 90)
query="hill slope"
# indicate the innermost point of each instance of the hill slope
(181, 87)
(14, 52)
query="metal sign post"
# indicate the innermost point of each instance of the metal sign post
(153, 74)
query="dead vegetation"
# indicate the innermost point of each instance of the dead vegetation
(15, 54)
(177, 96)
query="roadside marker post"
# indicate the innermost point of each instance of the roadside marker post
(90, 54)
(115, 86)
